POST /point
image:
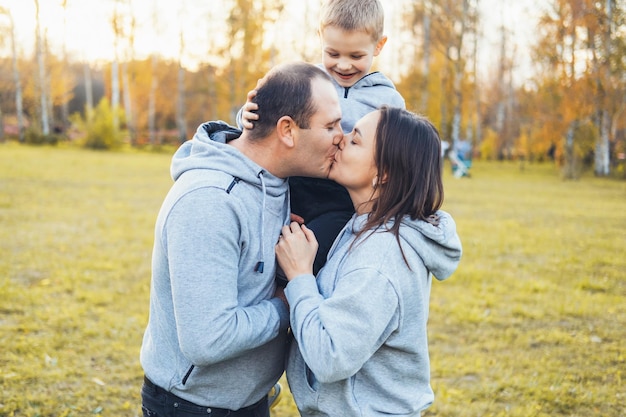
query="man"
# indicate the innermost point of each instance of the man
(215, 340)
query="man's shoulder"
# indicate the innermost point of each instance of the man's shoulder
(203, 178)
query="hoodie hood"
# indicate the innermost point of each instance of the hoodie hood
(438, 245)
(364, 96)
(208, 149)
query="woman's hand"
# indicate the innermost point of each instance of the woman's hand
(295, 250)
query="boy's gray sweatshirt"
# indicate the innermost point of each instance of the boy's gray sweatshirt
(360, 333)
(365, 96)
(216, 335)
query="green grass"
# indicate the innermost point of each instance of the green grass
(532, 324)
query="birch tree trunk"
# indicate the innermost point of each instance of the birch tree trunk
(45, 126)
(602, 155)
(18, 84)
(478, 134)
(153, 83)
(126, 84)
(181, 122)
(152, 102)
(424, 98)
(115, 69)
(88, 89)
(458, 66)
(65, 113)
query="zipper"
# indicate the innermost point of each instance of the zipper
(186, 377)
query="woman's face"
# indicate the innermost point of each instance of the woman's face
(354, 165)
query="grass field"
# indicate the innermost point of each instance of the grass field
(532, 324)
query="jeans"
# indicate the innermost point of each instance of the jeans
(156, 402)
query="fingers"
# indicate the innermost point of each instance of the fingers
(308, 233)
(294, 229)
(251, 95)
(296, 218)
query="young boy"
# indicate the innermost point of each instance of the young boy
(351, 32)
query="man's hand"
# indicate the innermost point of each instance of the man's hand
(297, 219)
(280, 294)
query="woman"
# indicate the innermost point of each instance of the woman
(360, 334)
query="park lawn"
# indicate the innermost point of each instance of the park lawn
(531, 324)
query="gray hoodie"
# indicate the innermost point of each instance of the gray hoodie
(215, 335)
(361, 345)
(365, 96)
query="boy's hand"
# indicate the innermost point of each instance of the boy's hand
(247, 117)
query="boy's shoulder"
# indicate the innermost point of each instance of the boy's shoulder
(378, 89)
(376, 79)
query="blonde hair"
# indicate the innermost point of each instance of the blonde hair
(354, 15)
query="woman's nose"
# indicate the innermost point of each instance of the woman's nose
(341, 143)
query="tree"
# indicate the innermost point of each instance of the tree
(45, 127)
(181, 122)
(129, 35)
(116, 24)
(64, 76)
(16, 78)
(579, 44)
(249, 59)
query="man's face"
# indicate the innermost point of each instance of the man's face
(318, 144)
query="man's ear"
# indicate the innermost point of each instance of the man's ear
(379, 45)
(285, 128)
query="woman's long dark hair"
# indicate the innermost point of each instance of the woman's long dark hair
(409, 164)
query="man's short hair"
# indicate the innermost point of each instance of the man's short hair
(354, 15)
(286, 91)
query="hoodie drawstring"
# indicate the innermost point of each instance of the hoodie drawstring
(261, 264)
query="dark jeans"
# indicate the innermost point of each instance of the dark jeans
(156, 402)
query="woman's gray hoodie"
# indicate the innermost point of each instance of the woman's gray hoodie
(361, 345)
(216, 335)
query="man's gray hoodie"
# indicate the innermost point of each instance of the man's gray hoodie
(216, 335)
(361, 347)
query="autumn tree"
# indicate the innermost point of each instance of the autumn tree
(42, 76)
(579, 45)
(441, 31)
(16, 76)
(249, 58)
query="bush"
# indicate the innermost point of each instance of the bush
(100, 130)
(33, 136)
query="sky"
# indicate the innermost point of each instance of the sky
(89, 36)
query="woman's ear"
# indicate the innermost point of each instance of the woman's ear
(285, 128)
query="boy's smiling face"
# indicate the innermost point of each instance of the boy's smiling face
(347, 55)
